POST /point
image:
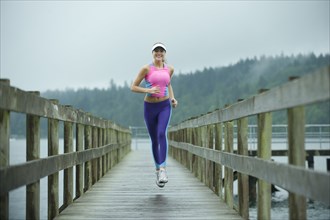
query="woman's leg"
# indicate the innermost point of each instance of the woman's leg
(150, 118)
(163, 122)
(157, 117)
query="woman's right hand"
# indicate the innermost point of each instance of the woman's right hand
(154, 90)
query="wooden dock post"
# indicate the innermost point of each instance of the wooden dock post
(210, 165)
(94, 161)
(184, 152)
(53, 144)
(79, 167)
(68, 173)
(33, 153)
(201, 161)
(4, 153)
(243, 179)
(190, 155)
(264, 152)
(101, 159)
(218, 167)
(296, 140)
(203, 138)
(194, 157)
(108, 141)
(88, 164)
(229, 176)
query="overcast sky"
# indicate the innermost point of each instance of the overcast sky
(78, 44)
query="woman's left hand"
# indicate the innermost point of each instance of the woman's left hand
(174, 102)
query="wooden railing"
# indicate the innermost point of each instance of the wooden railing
(197, 143)
(99, 145)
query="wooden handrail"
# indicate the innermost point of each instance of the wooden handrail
(16, 100)
(15, 175)
(309, 89)
(187, 146)
(268, 170)
(100, 144)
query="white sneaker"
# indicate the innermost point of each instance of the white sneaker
(163, 176)
(158, 183)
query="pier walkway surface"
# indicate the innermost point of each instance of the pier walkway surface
(128, 191)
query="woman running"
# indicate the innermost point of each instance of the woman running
(158, 104)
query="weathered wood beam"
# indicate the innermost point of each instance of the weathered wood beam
(295, 179)
(306, 90)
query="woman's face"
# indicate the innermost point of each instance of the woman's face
(159, 54)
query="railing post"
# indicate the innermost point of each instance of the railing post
(243, 179)
(119, 148)
(88, 164)
(177, 151)
(218, 167)
(68, 173)
(170, 148)
(178, 138)
(194, 157)
(296, 139)
(112, 153)
(264, 152)
(119, 140)
(115, 152)
(4, 153)
(102, 143)
(108, 154)
(79, 167)
(106, 141)
(203, 143)
(229, 176)
(181, 151)
(33, 153)
(53, 210)
(184, 152)
(200, 160)
(210, 164)
(94, 161)
(189, 155)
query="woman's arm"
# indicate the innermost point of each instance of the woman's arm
(136, 84)
(173, 100)
(170, 90)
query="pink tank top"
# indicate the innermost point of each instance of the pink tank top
(158, 77)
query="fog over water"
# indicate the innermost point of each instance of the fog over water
(78, 44)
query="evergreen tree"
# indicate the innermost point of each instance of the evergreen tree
(198, 93)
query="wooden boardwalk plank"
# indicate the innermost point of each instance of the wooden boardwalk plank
(129, 191)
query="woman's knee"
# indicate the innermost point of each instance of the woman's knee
(161, 136)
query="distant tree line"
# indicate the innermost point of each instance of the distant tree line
(198, 92)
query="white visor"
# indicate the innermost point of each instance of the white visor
(158, 45)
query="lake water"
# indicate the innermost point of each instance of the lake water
(279, 210)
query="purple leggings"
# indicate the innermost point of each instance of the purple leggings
(157, 117)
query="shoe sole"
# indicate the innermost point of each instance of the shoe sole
(159, 184)
(163, 181)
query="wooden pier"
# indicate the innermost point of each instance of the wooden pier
(129, 191)
(114, 182)
(205, 145)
